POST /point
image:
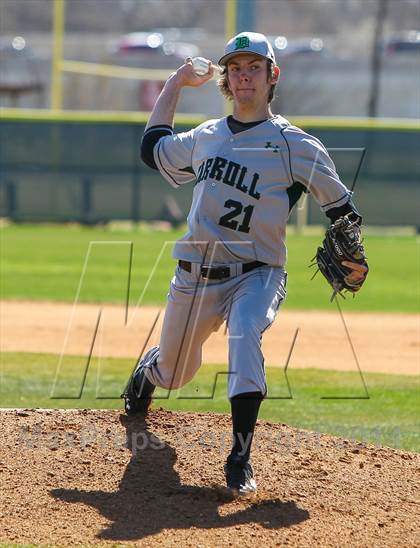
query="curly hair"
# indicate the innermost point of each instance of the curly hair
(223, 84)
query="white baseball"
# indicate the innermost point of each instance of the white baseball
(200, 66)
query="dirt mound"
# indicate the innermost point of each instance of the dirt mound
(97, 477)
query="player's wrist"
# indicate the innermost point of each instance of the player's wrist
(175, 82)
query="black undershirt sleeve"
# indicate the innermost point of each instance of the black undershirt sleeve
(335, 212)
(149, 140)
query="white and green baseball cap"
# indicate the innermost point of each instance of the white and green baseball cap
(248, 42)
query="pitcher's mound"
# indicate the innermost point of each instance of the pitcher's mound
(90, 477)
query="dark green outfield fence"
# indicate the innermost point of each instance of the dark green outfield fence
(86, 168)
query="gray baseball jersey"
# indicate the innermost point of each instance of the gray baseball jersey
(243, 194)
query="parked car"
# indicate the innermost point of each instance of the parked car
(149, 50)
(283, 47)
(405, 42)
(19, 74)
(154, 44)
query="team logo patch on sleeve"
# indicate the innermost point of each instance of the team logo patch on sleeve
(274, 148)
(242, 42)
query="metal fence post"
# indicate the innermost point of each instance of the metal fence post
(135, 195)
(11, 200)
(86, 200)
(135, 175)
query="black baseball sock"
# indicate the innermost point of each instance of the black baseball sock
(245, 408)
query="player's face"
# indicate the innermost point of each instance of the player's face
(248, 78)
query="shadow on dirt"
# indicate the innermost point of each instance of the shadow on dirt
(151, 497)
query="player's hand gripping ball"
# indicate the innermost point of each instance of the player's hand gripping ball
(195, 72)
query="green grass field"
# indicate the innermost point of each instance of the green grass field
(388, 417)
(46, 263)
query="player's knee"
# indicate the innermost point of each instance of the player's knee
(243, 383)
(172, 375)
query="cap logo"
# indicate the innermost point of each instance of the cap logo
(242, 42)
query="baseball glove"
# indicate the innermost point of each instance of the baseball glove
(342, 243)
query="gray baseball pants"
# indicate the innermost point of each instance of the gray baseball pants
(197, 307)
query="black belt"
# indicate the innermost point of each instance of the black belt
(219, 272)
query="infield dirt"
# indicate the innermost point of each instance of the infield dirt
(84, 477)
(387, 343)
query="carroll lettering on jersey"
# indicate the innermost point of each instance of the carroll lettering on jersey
(231, 174)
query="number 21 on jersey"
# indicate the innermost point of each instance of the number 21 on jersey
(229, 220)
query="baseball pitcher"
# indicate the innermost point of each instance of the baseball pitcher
(248, 171)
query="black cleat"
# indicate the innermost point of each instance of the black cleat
(239, 477)
(139, 390)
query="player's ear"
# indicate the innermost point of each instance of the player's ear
(276, 71)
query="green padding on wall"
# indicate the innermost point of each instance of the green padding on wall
(59, 170)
